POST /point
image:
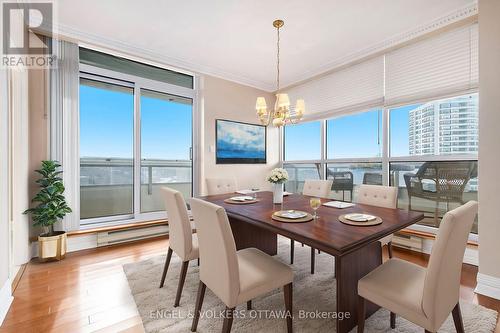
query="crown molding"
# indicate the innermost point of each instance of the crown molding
(454, 17)
(68, 33)
(126, 49)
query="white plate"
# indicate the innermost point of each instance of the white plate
(360, 217)
(242, 198)
(291, 214)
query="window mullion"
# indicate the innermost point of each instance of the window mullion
(137, 150)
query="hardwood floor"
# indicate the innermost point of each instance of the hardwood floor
(88, 291)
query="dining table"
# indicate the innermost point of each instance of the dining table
(356, 248)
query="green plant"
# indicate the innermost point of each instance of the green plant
(51, 205)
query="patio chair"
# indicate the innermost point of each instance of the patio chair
(440, 182)
(372, 178)
(342, 181)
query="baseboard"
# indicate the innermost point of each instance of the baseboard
(488, 286)
(5, 299)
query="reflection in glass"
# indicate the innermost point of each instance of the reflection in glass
(434, 187)
(165, 147)
(106, 149)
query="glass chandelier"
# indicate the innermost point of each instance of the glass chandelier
(281, 114)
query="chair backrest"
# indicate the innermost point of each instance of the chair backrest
(317, 188)
(378, 195)
(218, 260)
(221, 186)
(179, 227)
(442, 282)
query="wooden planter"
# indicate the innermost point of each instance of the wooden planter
(52, 247)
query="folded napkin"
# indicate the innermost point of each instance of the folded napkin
(242, 198)
(246, 191)
(360, 217)
(338, 204)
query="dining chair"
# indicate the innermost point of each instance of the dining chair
(313, 188)
(424, 296)
(181, 238)
(221, 186)
(380, 196)
(235, 277)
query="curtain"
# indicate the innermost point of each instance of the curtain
(64, 125)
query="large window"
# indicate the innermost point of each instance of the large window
(431, 155)
(135, 137)
(303, 141)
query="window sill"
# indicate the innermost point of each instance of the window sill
(126, 226)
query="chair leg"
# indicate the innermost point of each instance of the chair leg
(426, 331)
(292, 251)
(457, 319)
(165, 268)
(249, 305)
(313, 261)
(288, 291)
(228, 320)
(361, 314)
(182, 278)
(389, 249)
(393, 320)
(199, 302)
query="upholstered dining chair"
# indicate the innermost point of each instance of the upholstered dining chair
(381, 196)
(234, 276)
(423, 296)
(221, 186)
(181, 238)
(313, 188)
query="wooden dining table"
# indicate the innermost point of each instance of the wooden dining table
(356, 248)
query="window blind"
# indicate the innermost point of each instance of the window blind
(443, 65)
(358, 86)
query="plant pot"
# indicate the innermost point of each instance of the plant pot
(52, 247)
(278, 193)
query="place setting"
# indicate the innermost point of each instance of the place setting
(246, 197)
(298, 216)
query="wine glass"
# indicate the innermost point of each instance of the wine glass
(315, 204)
(255, 190)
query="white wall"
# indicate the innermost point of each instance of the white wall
(221, 99)
(489, 151)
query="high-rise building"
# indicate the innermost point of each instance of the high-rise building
(444, 127)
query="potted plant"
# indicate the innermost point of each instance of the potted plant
(278, 177)
(51, 207)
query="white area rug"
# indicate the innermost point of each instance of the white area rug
(311, 293)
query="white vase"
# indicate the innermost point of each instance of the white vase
(278, 193)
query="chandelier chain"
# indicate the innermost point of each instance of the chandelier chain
(278, 63)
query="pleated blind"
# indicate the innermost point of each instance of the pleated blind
(434, 67)
(357, 86)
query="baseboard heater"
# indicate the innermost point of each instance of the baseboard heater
(129, 235)
(408, 242)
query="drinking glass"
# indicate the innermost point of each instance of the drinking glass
(255, 190)
(315, 204)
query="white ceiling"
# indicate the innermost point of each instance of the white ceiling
(236, 40)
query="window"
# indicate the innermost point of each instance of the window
(348, 176)
(298, 173)
(355, 136)
(165, 147)
(428, 129)
(303, 141)
(106, 149)
(135, 137)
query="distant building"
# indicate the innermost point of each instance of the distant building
(444, 127)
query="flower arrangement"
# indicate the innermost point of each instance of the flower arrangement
(278, 176)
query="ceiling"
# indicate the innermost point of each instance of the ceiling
(236, 40)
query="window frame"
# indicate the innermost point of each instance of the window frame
(385, 158)
(137, 83)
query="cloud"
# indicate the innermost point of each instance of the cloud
(241, 135)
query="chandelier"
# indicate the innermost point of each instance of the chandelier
(281, 114)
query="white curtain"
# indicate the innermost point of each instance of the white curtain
(64, 126)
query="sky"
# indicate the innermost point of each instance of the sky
(107, 122)
(353, 136)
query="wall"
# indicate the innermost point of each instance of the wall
(489, 153)
(221, 99)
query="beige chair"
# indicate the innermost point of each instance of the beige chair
(221, 186)
(234, 276)
(381, 196)
(423, 296)
(313, 188)
(181, 239)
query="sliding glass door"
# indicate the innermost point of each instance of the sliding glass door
(166, 147)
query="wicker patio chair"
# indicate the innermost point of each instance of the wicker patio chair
(440, 182)
(372, 178)
(342, 181)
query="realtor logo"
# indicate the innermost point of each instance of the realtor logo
(23, 45)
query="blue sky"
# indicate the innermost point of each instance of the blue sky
(107, 122)
(349, 136)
